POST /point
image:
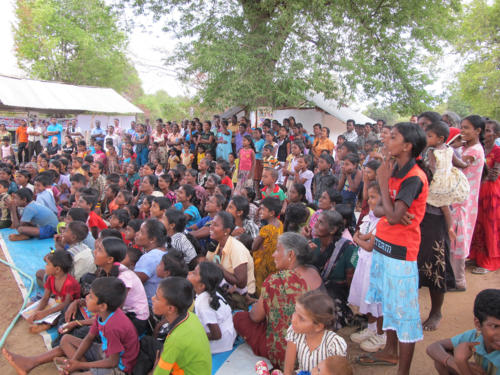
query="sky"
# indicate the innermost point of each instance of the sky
(148, 45)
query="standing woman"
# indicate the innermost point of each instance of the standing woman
(206, 138)
(141, 145)
(224, 137)
(485, 248)
(246, 166)
(465, 214)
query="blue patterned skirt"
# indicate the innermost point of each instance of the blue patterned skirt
(394, 284)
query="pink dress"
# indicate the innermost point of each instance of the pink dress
(465, 214)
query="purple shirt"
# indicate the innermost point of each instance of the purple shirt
(118, 335)
(238, 140)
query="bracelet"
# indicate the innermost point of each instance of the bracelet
(80, 324)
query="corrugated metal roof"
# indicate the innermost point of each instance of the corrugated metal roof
(41, 95)
(232, 111)
(342, 113)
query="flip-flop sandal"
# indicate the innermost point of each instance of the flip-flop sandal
(479, 271)
(372, 361)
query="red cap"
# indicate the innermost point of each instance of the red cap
(454, 133)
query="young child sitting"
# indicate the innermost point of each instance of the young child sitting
(59, 284)
(44, 194)
(452, 356)
(223, 169)
(36, 220)
(94, 222)
(270, 189)
(209, 306)
(119, 220)
(123, 198)
(71, 239)
(312, 324)
(120, 345)
(159, 206)
(79, 214)
(5, 221)
(186, 345)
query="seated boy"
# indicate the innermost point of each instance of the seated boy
(120, 345)
(44, 194)
(5, 221)
(270, 189)
(482, 344)
(186, 349)
(79, 214)
(36, 220)
(88, 203)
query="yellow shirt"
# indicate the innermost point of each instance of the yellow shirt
(322, 144)
(233, 255)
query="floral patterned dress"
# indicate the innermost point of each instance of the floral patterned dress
(279, 293)
(465, 214)
(263, 258)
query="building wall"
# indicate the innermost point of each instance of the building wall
(335, 125)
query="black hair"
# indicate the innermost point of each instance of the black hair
(25, 194)
(350, 146)
(295, 216)
(487, 304)
(122, 215)
(79, 229)
(163, 202)
(327, 130)
(413, 134)
(61, 259)
(301, 191)
(5, 184)
(127, 195)
(376, 186)
(190, 192)
(25, 173)
(352, 158)
(224, 165)
(134, 254)
(116, 249)
(109, 290)
(373, 164)
(173, 262)
(133, 211)
(211, 276)
(114, 189)
(226, 191)
(135, 224)
(43, 179)
(269, 147)
(431, 116)
(478, 123)
(156, 230)
(334, 195)
(241, 204)
(250, 193)
(346, 210)
(110, 232)
(152, 179)
(328, 158)
(227, 219)
(350, 121)
(78, 177)
(78, 214)
(221, 201)
(175, 216)
(178, 292)
(440, 128)
(113, 178)
(91, 199)
(273, 204)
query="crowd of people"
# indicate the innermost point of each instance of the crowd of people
(172, 240)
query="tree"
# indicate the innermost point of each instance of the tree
(162, 105)
(479, 44)
(381, 113)
(271, 52)
(74, 41)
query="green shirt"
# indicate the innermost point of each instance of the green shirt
(186, 350)
(277, 192)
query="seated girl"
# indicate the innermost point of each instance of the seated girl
(212, 310)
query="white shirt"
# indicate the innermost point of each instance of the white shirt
(351, 136)
(34, 138)
(222, 317)
(308, 175)
(116, 140)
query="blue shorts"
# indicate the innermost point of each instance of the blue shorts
(46, 231)
(394, 284)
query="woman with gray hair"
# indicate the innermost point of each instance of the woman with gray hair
(452, 119)
(264, 327)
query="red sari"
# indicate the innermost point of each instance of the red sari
(485, 247)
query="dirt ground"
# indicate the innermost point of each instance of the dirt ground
(457, 318)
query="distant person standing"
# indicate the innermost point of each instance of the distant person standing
(350, 135)
(34, 139)
(74, 131)
(97, 133)
(22, 142)
(54, 129)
